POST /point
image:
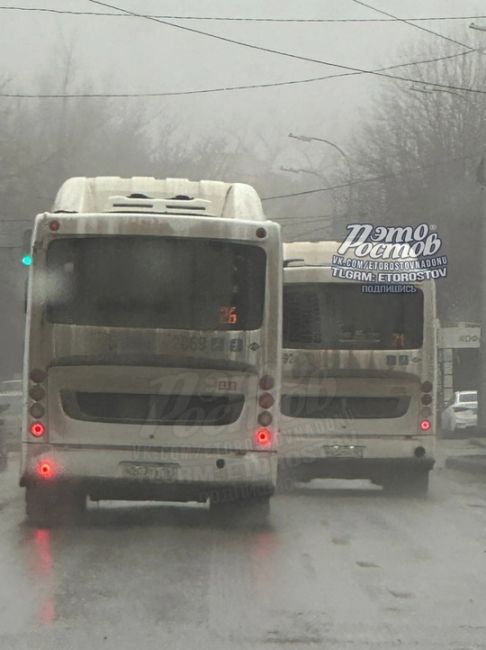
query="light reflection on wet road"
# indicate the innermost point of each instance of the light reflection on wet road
(340, 567)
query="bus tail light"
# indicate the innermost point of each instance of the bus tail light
(263, 438)
(37, 429)
(37, 393)
(265, 418)
(266, 400)
(54, 225)
(38, 375)
(425, 425)
(46, 470)
(266, 382)
(37, 410)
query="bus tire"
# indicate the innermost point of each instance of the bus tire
(50, 505)
(407, 483)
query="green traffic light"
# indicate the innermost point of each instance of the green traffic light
(27, 260)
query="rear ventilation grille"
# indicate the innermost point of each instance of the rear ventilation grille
(129, 408)
(320, 407)
(180, 204)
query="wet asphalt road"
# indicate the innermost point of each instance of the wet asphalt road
(341, 566)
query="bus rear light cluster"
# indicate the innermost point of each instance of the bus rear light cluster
(37, 429)
(263, 437)
(426, 411)
(54, 225)
(37, 393)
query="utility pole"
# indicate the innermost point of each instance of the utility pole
(481, 177)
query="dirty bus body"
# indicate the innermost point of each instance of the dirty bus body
(151, 337)
(358, 377)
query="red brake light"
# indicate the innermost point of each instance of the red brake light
(45, 470)
(425, 425)
(263, 438)
(37, 429)
(54, 225)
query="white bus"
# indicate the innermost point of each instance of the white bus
(153, 346)
(359, 377)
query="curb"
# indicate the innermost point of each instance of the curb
(475, 464)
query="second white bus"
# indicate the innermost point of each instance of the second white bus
(359, 376)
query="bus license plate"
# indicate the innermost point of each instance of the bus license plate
(150, 471)
(344, 451)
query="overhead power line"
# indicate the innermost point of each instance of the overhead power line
(233, 41)
(237, 19)
(372, 179)
(411, 24)
(221, 89)
(377, 72)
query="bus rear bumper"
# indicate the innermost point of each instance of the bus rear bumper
(373, 458)
(151, 475)
(374, 469)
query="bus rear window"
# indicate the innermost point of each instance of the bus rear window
(340, 317)
(155, 282)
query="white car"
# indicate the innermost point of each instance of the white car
(461, 412)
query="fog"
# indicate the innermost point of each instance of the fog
(190, 478)
(125, 54)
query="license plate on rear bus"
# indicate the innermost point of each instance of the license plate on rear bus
(344, 451)
(150, 471)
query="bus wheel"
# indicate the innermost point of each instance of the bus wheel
(49, 505)
(407, 483)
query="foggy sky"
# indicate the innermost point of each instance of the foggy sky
(132, 54)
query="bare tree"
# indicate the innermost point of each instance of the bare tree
(426, 143)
